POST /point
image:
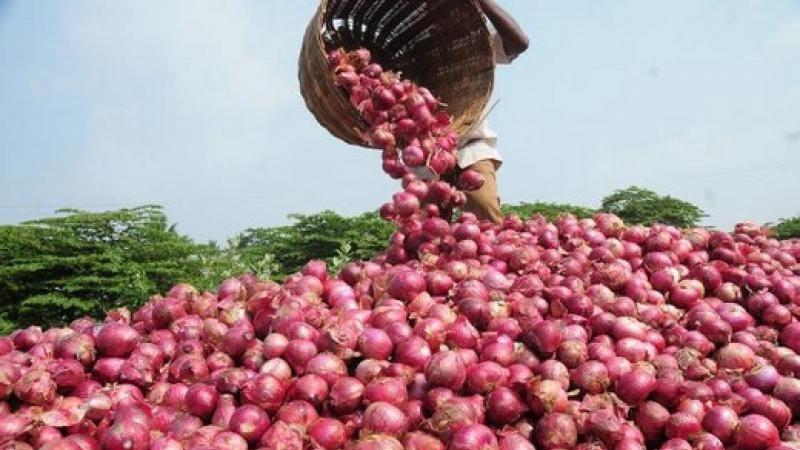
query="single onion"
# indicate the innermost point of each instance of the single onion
(384, 418)
(473, 436)
(250, 422)
(555, 431)
(755, 432)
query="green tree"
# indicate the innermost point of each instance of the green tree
(788, 228)
(55, 269)
(548, 210)
(325, 235)
(636, 205)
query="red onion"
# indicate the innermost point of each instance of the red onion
(226, 406)
(116, 339)
(36, 387)
(328, 366)
(406, 284)
(485, 377)
(544, 337)
(473, 436)
(84, 442)
(201, 400)
(510, 440)
(184, 426)
(432, 330)
(546, 396)
(218, 361)
(229, 440)
(398, 332)
(676, 444)
(277, 368)
(446, 369)
(299, 352)
(125, 435)
(554, 370)
(66, 373)
(773, 409)
(264, 391)
(297, 412)
(651, 418)
(281, 436)
(763, 378)
(592, 377)
(635, 386)
(788, 390)
(504, 406)
(250, 422)
(721, 421)
(421, 441)
(26, 338)
(311, 388)
(707, 441)
(682, 425)
(555, 431)
(461, 333)
(386, 389)
(414, 352)
(378, 442)
(346, 394)
(375, 343)
(735, 357)
(617, 367)
(451, 415)
(755, 432)
(436, 397)
(327, 433)
(189, 369)
(384, 418)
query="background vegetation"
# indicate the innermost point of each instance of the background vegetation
(78, 263)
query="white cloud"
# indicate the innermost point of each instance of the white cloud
(787, 37)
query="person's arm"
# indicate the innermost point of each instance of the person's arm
(515, 41)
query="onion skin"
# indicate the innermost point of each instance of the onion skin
(721, 421)
(504, 406)
(264, 391)
(755, 432)
(327, 433)
(116, 340)
(446, 369)
(281, 436)
(249, 422)
(556, 430)
(421, 441)
(472, 437)
(384, 418)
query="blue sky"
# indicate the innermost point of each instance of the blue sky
(195, 105)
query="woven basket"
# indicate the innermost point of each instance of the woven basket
(443, 45)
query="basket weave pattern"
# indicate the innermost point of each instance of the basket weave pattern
(443, 45)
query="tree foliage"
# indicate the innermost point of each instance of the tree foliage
(324, 235)
(548, 210)
(76, 263)
(788, 228)
(636, 205)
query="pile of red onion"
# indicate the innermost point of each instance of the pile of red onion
(576, 334)
(585, 334)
